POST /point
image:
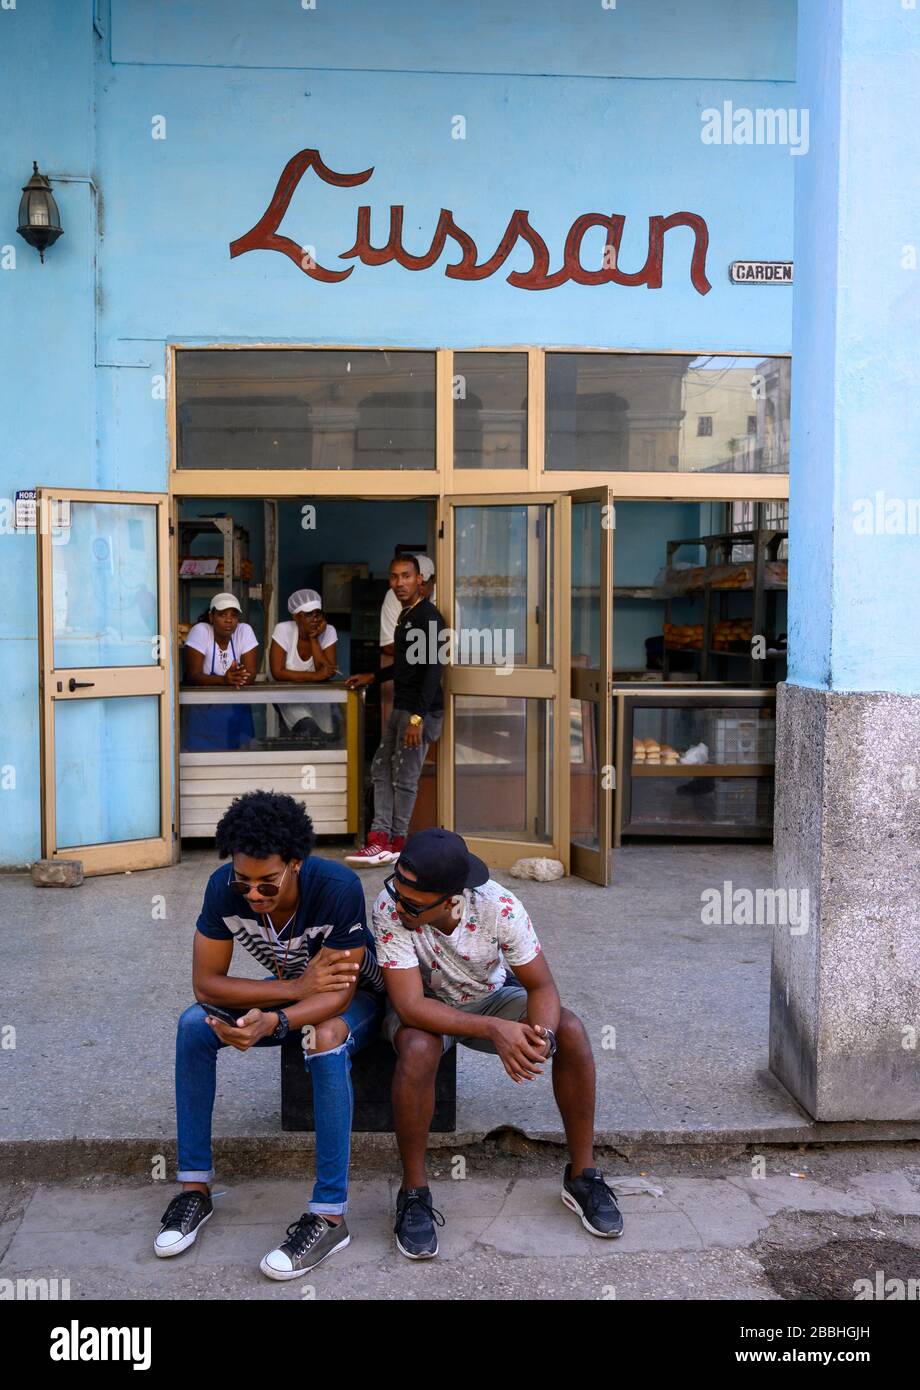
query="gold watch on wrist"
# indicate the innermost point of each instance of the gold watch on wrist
(415, 719)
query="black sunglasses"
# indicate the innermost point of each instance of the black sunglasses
(413, 909)
(266, 889)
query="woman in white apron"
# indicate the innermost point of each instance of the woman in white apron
(222, 651)
(303, 650)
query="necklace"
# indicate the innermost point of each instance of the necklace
(278, 936)
(401, 620)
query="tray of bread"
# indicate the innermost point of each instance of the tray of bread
(651, 753)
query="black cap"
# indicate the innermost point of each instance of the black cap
(441, 863)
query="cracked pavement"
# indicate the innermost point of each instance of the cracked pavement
(698, 1226)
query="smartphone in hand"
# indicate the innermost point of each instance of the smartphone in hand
(225, 1015)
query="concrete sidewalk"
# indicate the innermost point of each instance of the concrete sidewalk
(710, 1230)
(93, 981)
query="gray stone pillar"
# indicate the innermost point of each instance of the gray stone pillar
(845, 994)
(845, 997)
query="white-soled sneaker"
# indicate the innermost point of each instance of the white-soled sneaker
(182, 1220)
(376, 851)
(310, 1240)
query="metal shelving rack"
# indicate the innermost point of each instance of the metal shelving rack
(235, 551)
(765, 544)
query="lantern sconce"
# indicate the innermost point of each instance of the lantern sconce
(39, 219)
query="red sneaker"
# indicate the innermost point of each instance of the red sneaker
(396, 846)
(376, 851)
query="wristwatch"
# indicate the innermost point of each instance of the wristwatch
(415, 719)
(283, 1025)
(551, 1039)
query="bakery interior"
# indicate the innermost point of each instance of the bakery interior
(699, 643)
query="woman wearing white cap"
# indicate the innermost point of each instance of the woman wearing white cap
(220, 651)
(303, 650)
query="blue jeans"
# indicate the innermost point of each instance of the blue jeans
(395, 771)
(197, 1046)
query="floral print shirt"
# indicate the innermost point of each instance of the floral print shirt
(469, 963)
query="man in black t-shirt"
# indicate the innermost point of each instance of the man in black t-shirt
(417, 718)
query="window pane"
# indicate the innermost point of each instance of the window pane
(107, 770)
(295, 720)
(305, 409)
(666, 413)
(584, 721)
(502, 767)
(503, 585)
(586, 584)
(490, 409)
(104, 581)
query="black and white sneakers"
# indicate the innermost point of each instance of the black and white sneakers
(310, 1240)
(182, 1220)
(416, 1218)
(591, 1199)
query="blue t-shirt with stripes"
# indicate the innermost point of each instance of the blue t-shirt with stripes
(330, 912)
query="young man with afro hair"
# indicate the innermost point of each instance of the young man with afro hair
(303, 919)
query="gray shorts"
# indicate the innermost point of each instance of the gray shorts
(508, 1002)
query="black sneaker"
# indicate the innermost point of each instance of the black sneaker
(415, 1230)
(310, 1240)
(182, 1220)
(591, 1198)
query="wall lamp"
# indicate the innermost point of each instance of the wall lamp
(39, 219)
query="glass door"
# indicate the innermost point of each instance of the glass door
(503, 735)
(104, 677)
(588, 563)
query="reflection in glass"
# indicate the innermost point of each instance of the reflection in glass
(503, 767)
(586, 584)
(711, 734)
(107, 770)
(666, 412)
(662, 805)
(104, 586)
(299, 724)
(318, 408)
(584, 741)
(490, 410)
(503, 585)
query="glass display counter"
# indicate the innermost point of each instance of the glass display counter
(697, 761)
(302, 739)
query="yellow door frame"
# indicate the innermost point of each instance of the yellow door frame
(71, 683)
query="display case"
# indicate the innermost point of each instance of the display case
(738, 591)
(697, 761)
(304, 739)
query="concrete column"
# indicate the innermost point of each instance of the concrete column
(845, 1005)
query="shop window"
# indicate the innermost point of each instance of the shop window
(490, 409)
(503, 585)
(502, 767)
(304, 408)
(612, 412)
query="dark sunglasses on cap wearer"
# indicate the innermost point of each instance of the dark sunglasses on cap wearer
(435, 856)
(413, 909)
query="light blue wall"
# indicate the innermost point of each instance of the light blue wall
(855, 422)
(47, 381)
(643, 530)
(242, 88)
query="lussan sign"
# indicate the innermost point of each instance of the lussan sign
(265, 236)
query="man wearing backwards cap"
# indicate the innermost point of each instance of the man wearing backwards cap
(445, 931)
